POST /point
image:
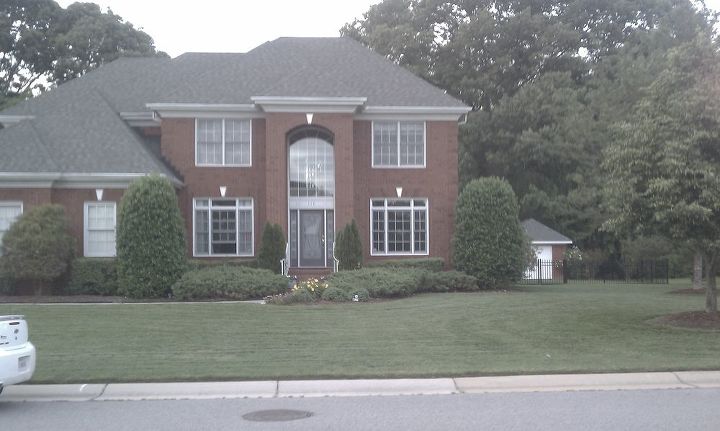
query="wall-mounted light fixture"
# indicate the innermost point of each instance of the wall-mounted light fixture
(398, 190)
(99, 194)
(223, 189)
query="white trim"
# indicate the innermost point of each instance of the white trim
(222, 141)
(309, 104)
(414, 113)
(398, 166)
(72, 180)
(86, 227)
(237, 208)
(9, 120)
(141, 119)
(550, 242)
(204, 110)
(412, 210)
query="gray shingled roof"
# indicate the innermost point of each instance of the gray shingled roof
(77, 127)
(539, 232)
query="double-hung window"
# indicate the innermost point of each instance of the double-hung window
(99, 235)
(398, 144)
(223, 142)
(399, 226)
(9, 212)
(223, 227)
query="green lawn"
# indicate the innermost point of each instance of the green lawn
(550, 329)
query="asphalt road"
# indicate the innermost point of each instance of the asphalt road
(678, 409)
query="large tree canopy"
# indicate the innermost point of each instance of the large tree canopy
(547, 79)
(42, 44)
(664, 164)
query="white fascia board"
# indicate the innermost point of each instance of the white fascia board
(550, 242)
(204, 110)
(71, 180)
(343, 105)
(9, 120)
(141, 119)
(427, 113)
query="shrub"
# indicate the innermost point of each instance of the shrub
(348, 248)
(38, 247)
(93, 276)
(272, 249)
(489, 242)
(362, 294)
(336, 295)
(433, 264)
(193, 264)
(150, 239)
(448, 281)
(379, 282)
(229, 282)
(7, 284)
(296, 296)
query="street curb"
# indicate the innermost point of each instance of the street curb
(361, 387)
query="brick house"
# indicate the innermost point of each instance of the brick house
(309, 133)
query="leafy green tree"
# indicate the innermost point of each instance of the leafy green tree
(272, 248)
(489, 242)
(664, 165)
(38, 247)
(43, 44)
(150, 239)
(348, 247)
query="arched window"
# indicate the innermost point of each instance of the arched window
(311, 163)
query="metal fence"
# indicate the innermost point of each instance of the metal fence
(618, 271)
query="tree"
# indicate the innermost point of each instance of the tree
(42, 44)
(348, 248)
(38, 247)
(664, 165)
(150, 239)
(489, 242)
(272, 248)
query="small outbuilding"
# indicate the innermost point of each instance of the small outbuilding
(549, 245)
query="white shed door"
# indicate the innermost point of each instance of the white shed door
(544, 253)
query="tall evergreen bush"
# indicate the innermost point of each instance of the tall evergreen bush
(489, 242)
(272, 249)
(150, 239)
(348, 247)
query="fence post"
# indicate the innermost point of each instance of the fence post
(539, 271)
(564, 271)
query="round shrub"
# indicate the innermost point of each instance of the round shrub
(335, 295)
(150, 239)
(38, 247)
(489, 242)
(272, 248)
(92, 276)
(229, 282)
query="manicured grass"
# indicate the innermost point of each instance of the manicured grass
(549, 329)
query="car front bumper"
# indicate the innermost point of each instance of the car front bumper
(17, 365)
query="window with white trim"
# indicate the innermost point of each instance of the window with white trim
(9, 212)
(223, 142)
(398, 144)
(223, 227)
(399, 226)
(100, 223)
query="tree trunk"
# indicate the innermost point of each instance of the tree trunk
(698, 271)
(710, 289)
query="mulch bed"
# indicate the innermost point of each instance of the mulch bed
(691, 319)
(689, 291)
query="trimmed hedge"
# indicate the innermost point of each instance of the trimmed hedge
(489, 242)
(449, 281)
(150, 239)
(379, 282)
(434, 264)
(229, 282)
(194, 264)
(93, 276)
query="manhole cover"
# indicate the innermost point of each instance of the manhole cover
(276, 415)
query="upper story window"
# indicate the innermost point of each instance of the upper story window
(398, 144)
(223, 142)
(223, 227)
(100, 222)
(9, 212)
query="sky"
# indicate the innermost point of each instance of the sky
(237, 25)
(232, 25)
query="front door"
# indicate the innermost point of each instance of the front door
(312, 238)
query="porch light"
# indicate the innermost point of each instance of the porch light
(99, 194)
(398, 190)
(309, 118)
(223, 189)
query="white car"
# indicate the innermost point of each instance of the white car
(17, 354)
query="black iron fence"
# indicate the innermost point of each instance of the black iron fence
(619, 271)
